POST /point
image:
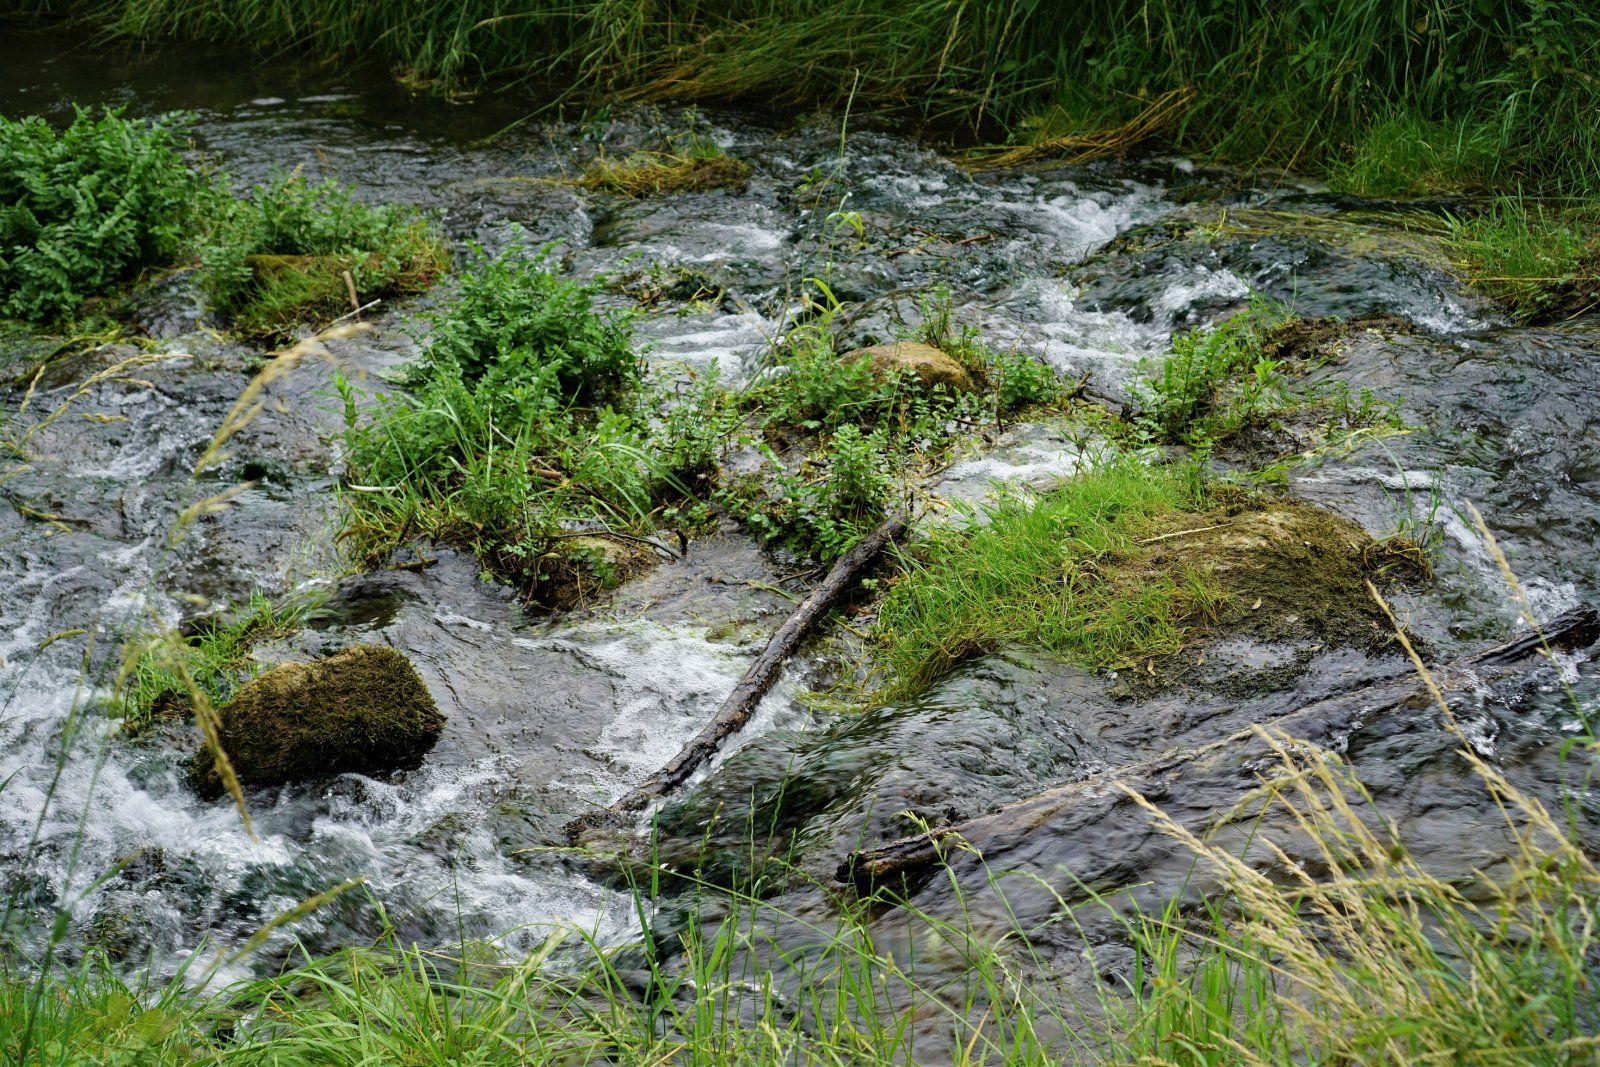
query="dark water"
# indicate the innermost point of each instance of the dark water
(1091, 268)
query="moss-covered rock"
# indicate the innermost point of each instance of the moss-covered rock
(364, 709)
(1281, 569)
(931, 366)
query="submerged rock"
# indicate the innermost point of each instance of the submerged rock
(364, 709)
(931, 366)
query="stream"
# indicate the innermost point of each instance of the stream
(1090, 267)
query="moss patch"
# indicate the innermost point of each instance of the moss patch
(657, 173)
(1283, 569)
(364, 710)
(578, 570)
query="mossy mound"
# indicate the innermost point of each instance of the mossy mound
(364, 709)
(658, 173)
(1280, 570)
(577, 570)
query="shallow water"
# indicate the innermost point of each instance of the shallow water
(1091, 268)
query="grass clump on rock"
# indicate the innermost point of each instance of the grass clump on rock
(364, 710)
(280, 258)
(658, 173)
(1125, 564)
(525, 426)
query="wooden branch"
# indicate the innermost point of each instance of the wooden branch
(741, 703)
(1328, 721)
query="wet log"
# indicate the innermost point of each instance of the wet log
(1327, 723)
(741, 703)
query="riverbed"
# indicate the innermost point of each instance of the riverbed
(1091, 268)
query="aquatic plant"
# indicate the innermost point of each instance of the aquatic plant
(160, 668)
(688, 164)
(1541, 259)
(831, 500)
(524, 417)
(84, 208)
(1247, 373)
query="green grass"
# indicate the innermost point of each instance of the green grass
(1541, 259)
(1039, 573)
(162, 670)
(1348, 951)
(1304, 86)
(1240, 375)
(525, 417)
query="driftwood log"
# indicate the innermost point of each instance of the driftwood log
(1328, 723)
(741, 703)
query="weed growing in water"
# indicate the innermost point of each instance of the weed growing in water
(158, 670)
(1541, 260)
(1035, 573)
(857, 423)
(689, 164)
(84, 208)
(1236, 376)
(281, 257)
(832, 500)
(525, 417)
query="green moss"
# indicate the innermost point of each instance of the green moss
(364, 710)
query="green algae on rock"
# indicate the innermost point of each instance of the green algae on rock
(364, 709)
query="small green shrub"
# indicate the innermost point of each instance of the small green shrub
(514, 317)
(278, 259)
(1215, 382)
(833, 499)
(1014, 379)
(82, 209)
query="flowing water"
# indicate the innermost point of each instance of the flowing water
(1091, 268)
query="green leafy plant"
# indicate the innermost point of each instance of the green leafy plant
(296, 250)
(84, 208)
(525, 417)
(829, 503)
(514, 317)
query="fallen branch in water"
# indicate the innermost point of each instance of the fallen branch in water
(1323, 722)
(741, 703)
